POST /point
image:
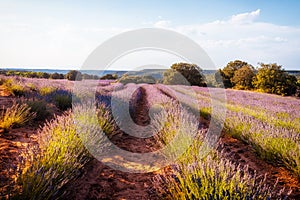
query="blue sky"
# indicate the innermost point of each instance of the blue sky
(61, 34)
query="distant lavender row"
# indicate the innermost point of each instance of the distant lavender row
(39, 83)
(267, 102)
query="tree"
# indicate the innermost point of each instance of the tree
(298, 87)
(228, 72)
(86, 76)
(74, 75)
(172, 77)
(55, 76)
(271, 78)
(44, 75)
(243, 78)
(109, 77)
(190, 72)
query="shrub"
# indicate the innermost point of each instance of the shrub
(271, 78)
(175, 122)
(195, 177)
(74, 75)
(17, 90)
(31, 86)
(109, 77)
(40, 108)
(172, 77)
(243, 77)
(14, 88)
(190, 73)
(46, 90)
(229, 71)
(54, 163)
(61, 98)
(63, 102)
(47, 168)
(106, 121)
(16, 115)
(99, 116)
(213, 178)
(56, 76)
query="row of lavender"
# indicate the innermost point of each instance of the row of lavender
(271, 124)
(194, 175)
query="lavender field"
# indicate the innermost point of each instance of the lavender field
(51, 136)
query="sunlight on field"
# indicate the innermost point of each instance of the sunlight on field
(75, 130)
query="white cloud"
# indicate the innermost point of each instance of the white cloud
(244, 37)
(247, 17)
(162, 24)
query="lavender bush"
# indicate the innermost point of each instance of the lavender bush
(16, 115)
(195, 177)
(213, 178)
(48, 167)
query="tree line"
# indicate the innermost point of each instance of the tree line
(72, 75)
(268, 78)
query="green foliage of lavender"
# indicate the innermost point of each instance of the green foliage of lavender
(47, 168)
(213, 178)
(197, 177)
(274, 143)
(14, 87)
(46, 90)
(60, 97)
(40, 108)
(16, 115)
(63, 101)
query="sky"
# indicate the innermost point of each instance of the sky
(62, 34)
